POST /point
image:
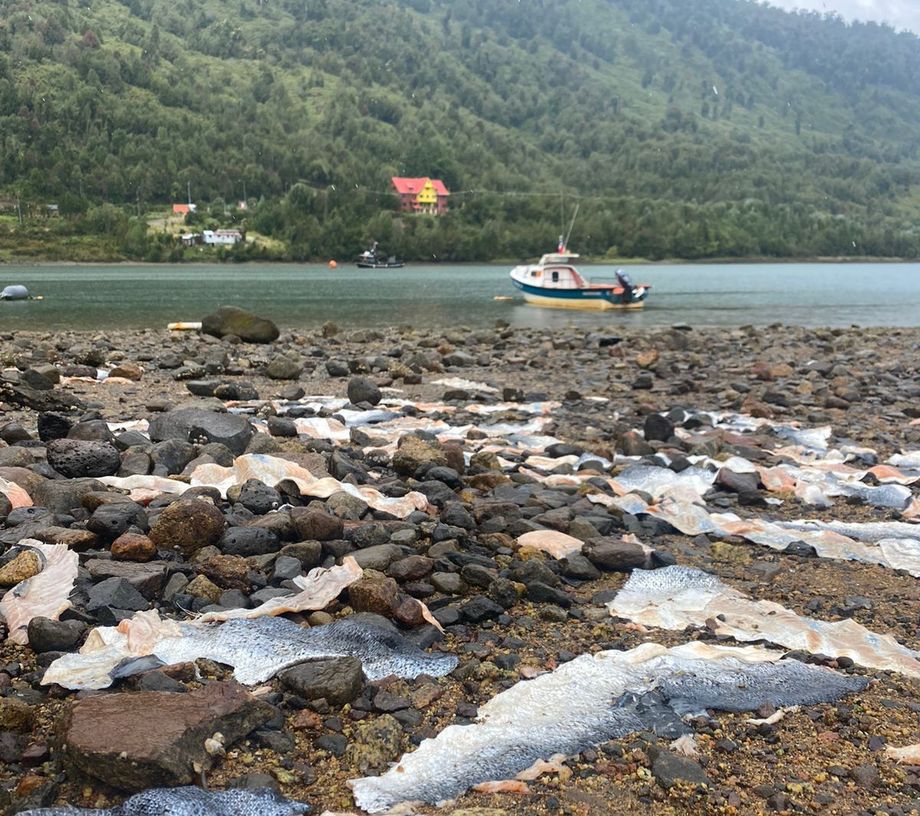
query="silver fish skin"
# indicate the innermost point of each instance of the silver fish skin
(190, 801)
(587, 701)
(258, 649)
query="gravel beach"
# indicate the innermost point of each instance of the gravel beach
(500, 485)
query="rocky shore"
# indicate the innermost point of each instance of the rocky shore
(472, 505)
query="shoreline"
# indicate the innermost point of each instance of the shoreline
(509, 614)
(343, 265)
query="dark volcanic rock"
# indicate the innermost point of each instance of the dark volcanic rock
(363, 389)
(46, 635)
(248, 541)
(53, 426)
(338, 680)
(259, 498)
(245, 325)
(316, 525)
(150, 739)
(202, 427)
(615, 555)
(669, 769)
(116, 593)
(75, 458)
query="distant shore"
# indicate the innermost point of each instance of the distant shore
(587, 262)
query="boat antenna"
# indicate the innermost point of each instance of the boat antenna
(572, 225)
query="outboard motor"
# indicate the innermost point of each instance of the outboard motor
(626, 282)
(16, 292)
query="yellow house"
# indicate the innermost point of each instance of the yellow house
(421, 195)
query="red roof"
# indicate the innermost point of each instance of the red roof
(413, 186)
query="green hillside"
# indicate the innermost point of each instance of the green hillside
(687, 128)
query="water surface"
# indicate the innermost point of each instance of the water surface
(303, 296)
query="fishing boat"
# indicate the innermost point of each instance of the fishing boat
(371, 259)
(555, 282)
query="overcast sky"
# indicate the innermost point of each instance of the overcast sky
(899, 13)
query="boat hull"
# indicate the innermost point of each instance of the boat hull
(588, 299)
(397, 265)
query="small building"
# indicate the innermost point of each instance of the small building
(221, 237)
(421, 195)
(190, 239)
(184, 209)
(52, 210)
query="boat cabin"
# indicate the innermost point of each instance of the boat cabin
(555, 271)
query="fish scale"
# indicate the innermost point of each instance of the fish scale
(189, 801)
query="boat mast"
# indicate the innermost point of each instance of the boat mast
(571, 226)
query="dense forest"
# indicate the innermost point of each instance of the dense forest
(684, 128)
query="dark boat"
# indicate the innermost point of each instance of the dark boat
(370, 259)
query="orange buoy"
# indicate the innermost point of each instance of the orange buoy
(333, 265)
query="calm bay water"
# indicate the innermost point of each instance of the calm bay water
(303, 296)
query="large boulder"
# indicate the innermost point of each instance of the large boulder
(154, 738)
(76, 458)
(200, 426)
(245, 325)
(187, 526)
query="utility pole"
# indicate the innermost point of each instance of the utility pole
(19, 208)
(189, 194)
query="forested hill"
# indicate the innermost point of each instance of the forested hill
(690, 128)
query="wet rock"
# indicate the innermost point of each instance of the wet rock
(53, 426)
(201, 587)
(449, 583)
(230, 320)
(866, 776)
(109, 521)
(249, 541)
(375, 744)
(133, 547)
(259, 498)
(115, 593)
(542, 593)
(363, 389)
(283, 368)
(203, 427)
(316, 525)
(23, 566)
(227, 571)
(615, 555)
(413, 452)
(46, 635)
(171, 456)
(281, 426)
(374, 594)
(378, 557)
(63, 495)
(658, 427)
(480, 608)
(151, 739)
(338, 680)
(15, 715)
(580, 568)
(308, 553)
(146, 578)
(670, 769)
(187, 526)
(75, 458)
(412, 568)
